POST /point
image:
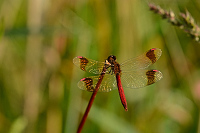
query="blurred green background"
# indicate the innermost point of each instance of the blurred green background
(38, 80)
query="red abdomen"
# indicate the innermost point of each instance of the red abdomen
(121, 92)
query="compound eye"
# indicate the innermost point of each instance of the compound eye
(111, 58)
(114, 57)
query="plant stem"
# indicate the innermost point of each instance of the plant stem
(91, 100)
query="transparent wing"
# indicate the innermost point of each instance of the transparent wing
(140, 78)
(89, 65)
(143, 61)
(135, 79)
(108, 83)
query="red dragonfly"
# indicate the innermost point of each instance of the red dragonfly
(129, 74)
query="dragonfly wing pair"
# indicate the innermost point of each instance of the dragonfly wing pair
(132, 74)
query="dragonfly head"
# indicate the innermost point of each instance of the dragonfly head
(111, 59)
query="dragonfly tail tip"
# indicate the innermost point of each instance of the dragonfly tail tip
(126, 108)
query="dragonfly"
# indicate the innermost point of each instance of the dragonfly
(131, 73)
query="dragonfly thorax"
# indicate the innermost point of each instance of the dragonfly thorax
(114, 66)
